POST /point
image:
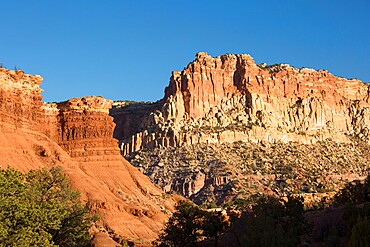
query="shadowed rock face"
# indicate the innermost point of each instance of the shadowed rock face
(78, 135)
(229, 98)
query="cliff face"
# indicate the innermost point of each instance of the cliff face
(20, 98)
(128, 201)
(78, 135)
(22, 143)
(229, 98)
(220, 103)
(85, 128)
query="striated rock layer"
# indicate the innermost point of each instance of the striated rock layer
(229, 98)
(78, 135)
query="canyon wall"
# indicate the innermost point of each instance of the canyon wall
(78, 135)
(230, 98)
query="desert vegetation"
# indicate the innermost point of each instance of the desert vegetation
(236, 171)
(39, 208)
(272, 221)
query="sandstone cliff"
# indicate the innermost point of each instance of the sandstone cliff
(229, 98)
(78, 135)
(20, 98)
(217, 104)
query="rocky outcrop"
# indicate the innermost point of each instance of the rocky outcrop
(20, 98)
(78, 135)
(129, 116)
(22, 140)
(86, 131)
(229, 98)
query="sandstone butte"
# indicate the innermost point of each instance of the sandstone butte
(78, 136)
(230, 98)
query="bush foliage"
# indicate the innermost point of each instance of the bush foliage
(40, 208)
(270, 221)
(190, 224)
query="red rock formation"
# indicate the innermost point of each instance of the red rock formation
(206, 81)
(230, 98)
(24, 107)
(22, 144)
(77, 135)
(131, 205)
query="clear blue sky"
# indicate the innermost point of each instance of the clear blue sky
(123, 49)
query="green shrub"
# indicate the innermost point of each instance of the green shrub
(39, 208)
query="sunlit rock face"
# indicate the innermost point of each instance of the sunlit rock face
(20, 98)
(229, 98)
(78, 136)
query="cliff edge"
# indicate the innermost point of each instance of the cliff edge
(230, 98)
(78, 135)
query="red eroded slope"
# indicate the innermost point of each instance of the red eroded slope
(77, 135)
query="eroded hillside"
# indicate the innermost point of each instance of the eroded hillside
(223, 173)
(78, 136)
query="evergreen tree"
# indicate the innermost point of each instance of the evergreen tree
(360, 235)
(190, 224)
(184, 228)
(274, 223)
(41, 209)
(354, 193)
